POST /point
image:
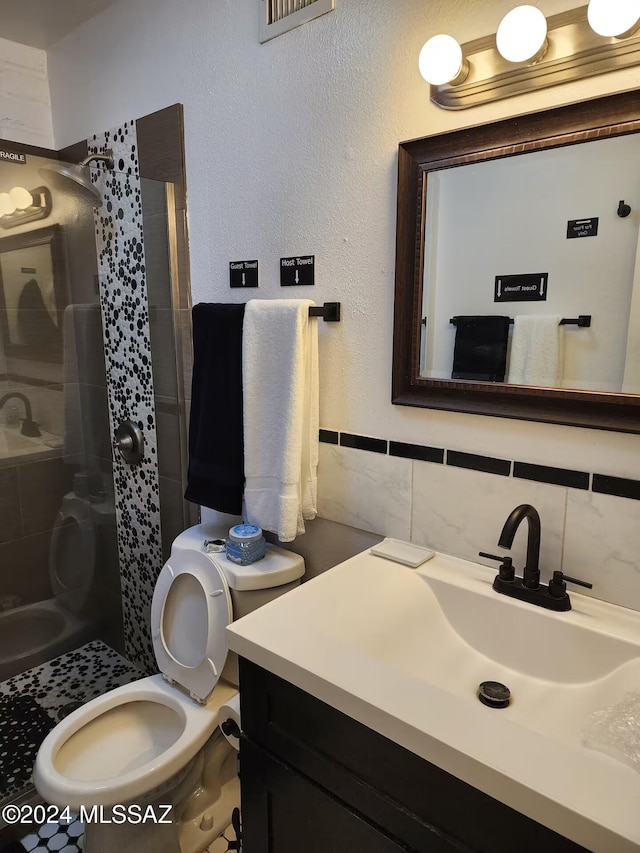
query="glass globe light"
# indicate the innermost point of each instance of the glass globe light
(441, 61)
(613, 18)
(522, 34)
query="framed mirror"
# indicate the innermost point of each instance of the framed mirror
(32, 294)
(518, 268)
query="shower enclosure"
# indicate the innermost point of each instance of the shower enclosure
(72, 591)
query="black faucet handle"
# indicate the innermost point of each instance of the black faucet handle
(558, 587)
(507, 560)
(578, 582)
(506, 571)
(30, 428)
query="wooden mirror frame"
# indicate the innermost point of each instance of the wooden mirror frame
(615, 115)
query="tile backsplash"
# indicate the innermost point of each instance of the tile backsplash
(459, 502)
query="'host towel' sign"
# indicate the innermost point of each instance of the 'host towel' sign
(297, 271)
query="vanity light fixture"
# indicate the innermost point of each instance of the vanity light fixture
(614, 18)
(441, 61)
(20, 206)
(21, 198)
(522, 35)
(530, 52)
(7, 207)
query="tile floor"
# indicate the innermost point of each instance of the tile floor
(64, 838)
(32, 703)
(59, 837)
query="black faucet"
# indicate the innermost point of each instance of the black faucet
(528, 587)
(531, 573)
(29, 427)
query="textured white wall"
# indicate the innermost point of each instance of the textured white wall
(25, 107)
(292, 148)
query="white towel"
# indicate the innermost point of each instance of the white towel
(537, 351)
(280, 401)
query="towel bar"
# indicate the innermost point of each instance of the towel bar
(330, 312)
(583, 321)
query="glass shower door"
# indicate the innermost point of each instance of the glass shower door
(73, 612)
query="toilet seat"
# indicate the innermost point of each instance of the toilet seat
(129, 743)
(83, 760)
(190, 611)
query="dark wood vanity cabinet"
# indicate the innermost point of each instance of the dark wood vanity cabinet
(315, 781)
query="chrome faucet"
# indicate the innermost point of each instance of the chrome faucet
(528, 587)
(531, 573)
(29, 427)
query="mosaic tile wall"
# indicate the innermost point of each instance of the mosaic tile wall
(125, 315)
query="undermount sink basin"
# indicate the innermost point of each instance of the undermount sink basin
(404, 651)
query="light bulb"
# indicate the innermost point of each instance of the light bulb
(613, 18)
(522, 34)
(21, 198)
(6, 205)
(441, 61)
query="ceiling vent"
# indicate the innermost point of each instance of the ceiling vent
(280, 16)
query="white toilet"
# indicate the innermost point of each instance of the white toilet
(37, 632)
(157, 740)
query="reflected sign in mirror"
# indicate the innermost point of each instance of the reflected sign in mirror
(534, 197)
(491, 226)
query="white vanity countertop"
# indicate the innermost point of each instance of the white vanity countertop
(578, 792)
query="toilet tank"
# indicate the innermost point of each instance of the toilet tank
(250, 586)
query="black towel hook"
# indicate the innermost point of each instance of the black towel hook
(623, 209)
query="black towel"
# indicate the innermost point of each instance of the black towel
(480, 350)
(216, 447)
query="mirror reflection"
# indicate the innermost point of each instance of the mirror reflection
(517, 245)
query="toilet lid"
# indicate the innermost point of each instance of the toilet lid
(190, 611)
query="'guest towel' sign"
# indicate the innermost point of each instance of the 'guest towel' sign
(528, 287)
(243, 273)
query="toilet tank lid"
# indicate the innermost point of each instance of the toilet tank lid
(278, 567)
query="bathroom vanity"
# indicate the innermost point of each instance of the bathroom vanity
(363, 731)
(314, 779)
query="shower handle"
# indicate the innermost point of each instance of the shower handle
(129, 442)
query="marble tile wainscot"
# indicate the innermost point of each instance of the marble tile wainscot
(457, 502)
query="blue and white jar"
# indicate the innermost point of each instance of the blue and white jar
(246, 544)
